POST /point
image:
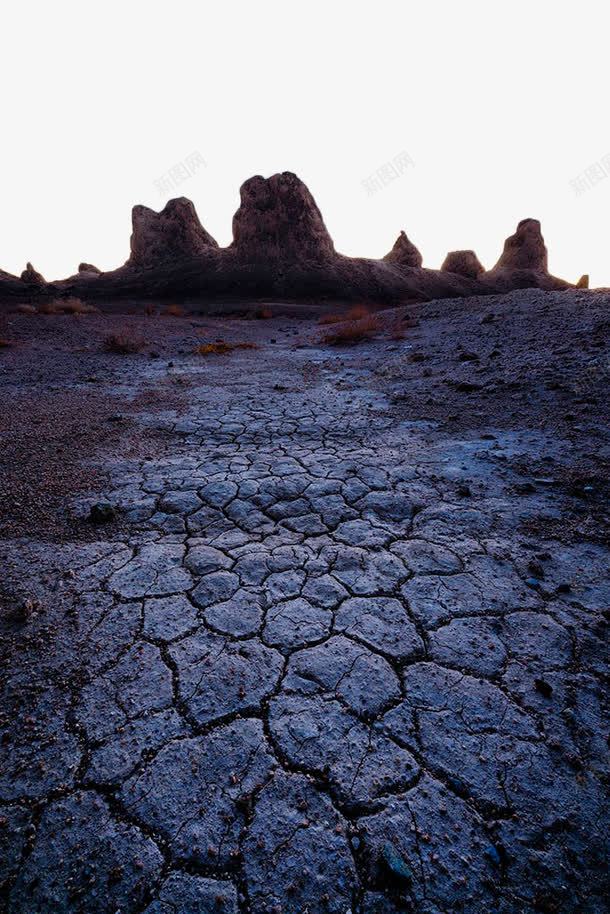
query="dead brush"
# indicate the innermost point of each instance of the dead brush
(123, 343)
(75, 306)
(222, 348)
(174, 311)
(356, 313)
(352, 331)
(66, 306)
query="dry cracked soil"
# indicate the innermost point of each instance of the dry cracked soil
(341, 648)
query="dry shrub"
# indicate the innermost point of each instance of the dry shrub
(123, 343)
(149, 310)
(175, 311)
(264, 314)
(66, 306)
(355, 313)
(353, 331)
(47, 307)
(222, 348)
(25, 309)
(75, 306)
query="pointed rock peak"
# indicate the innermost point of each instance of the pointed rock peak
(278, 219)
(172, 234)
(88, 268)
(464, 263)
(525, 250)
(32, 276)
(404, 253)
(583, 282)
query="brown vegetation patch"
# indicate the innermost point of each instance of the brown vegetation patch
(175, 311)
(356, 313)
(65, 306)
(352, 331)
(123, 343)
(222, 348)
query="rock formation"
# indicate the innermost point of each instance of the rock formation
(173, 234)
(32, 277)
(463, 263)
(404, 253)
(525, 250)
(524, 262)
(583, 282)
(278, 219)
(282, 248)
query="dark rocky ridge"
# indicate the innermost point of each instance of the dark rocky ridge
(282, 248)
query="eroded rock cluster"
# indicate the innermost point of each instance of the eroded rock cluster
(281, 247)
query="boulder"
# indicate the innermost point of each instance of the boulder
(404, 253)
(88, 268)
(278, 220)
(173, 234)
(463, 263)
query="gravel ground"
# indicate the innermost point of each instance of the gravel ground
(341, 646)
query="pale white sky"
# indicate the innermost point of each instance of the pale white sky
(500, 105)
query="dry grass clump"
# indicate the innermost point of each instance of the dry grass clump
(352, 331)
(76, 306)
(222, 348)
(123, 343)
(175, 311)
(66, 306)
(356, 313)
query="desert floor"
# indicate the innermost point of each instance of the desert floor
(340, 646)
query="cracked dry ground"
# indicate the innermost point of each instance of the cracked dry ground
(308, 675)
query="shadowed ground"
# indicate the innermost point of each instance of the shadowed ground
(342, 649)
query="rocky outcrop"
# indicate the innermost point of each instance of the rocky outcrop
(463, 263)
(173, 234)
(282, 248)
(583, 282)
(524, 262)
(278, 220)
(404, 253)
(32, 277)
(525, 250)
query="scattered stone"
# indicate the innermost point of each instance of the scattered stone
(102, 512)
